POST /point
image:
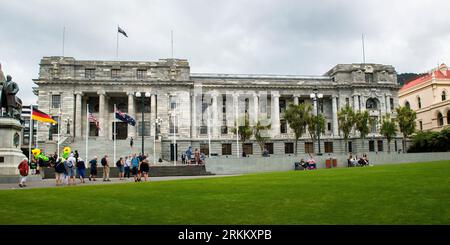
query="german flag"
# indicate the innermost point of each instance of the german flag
(42, 117)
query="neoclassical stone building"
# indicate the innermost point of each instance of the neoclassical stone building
(200, 109)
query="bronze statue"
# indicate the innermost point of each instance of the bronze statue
(8, 97)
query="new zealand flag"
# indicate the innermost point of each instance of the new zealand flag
(125, 118)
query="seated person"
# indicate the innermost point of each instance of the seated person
(366, 160)
(311, 162)
(349, 161)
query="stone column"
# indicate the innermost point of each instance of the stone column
(132, 113)
(102, 112)
(355, 103)
(78, 109)
(193, 116)
(296, 99)
(334, 115)
(255, 108)
(315, 106)
(153, 114)
(275, 113)
(388, 103)
(214, 123)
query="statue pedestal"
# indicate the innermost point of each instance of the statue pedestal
(10, 141)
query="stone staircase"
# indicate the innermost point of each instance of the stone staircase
(155, 171)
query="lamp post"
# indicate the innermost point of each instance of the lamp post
(315, 95)
(142, 95)
(156, 124)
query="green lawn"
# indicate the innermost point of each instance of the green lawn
(417, 193)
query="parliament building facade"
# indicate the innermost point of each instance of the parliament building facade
(201, 109)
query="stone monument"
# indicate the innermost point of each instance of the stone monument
(10, 126)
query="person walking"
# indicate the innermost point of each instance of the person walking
(70, 165)
(81, 169)
(93, 166)
(197, 156)
(23, 172)
(127, 166)
(120, 165)
(144, 166)
(135, 167)
(60, 171)
(105, 164)
(131, 143)
(76, 155)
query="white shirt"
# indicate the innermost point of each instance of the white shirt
(127, 163)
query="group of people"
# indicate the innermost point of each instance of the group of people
(355, 161)
(309, 164)
(193, 157)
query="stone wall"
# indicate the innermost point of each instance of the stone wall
(232, 165)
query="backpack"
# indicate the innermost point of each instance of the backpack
(118, 163)
(103, 162)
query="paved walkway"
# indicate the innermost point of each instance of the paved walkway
(51, 182)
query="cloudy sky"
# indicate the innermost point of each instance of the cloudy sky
(257, 37)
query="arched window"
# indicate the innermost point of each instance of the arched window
(407, 104)
(440, 119)
(444, 95)
(419, 102)
(448, 117)
(372, 104)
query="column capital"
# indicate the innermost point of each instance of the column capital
(130, 93)
(334, 96)
(296, 95)
(101, 92)
(214, 93)
(275, 94)
(78, 93)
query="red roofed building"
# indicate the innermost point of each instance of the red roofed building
(428, 96)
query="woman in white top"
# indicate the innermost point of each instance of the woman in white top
(127, 166)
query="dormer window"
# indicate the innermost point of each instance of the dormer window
(444, 95)
(115, 73)
(369, 77)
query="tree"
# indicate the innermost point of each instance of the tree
(316, 123)
(245, 130)
(297, 117)
(388, 129)
(406, 119)
(346, 119)
(362, 124)
(261, 134)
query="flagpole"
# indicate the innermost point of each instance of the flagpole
(87, 132)
(209, 133)
(364, 52)
(36, 143)
(30, 138)
(64, 39)
(115, 132)
(117, 44)
(237, 126)
(59, 130)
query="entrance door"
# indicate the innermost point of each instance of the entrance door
(172, 150)
(122, 130)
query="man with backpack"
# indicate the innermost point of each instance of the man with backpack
(70, 168)
(23, 171)
(93, 166)
(105, 164)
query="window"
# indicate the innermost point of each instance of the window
(448, 117)
(247, 148)
(347, 102)
(371, 145)
(380, 145)
(440, 119)
(226, 149)
(173, 102)
(147, 105)
(350, 146)
(395, 146)
(374, 124)
(288, 148)
(56, 101)
(173, 122)
(224, 106)
(328, 147)
(146, 128)
(420, 125)
(246, 105)
(224, 130)
(89, 73)
(329, 126)
(204, 148)
(53, 128)
(141, 73)
(407, 104)
(444, 95)
(419, 102)
(369, 77)
(309, 147)
(391, 102)
(115, 73)
(203, 129)
(269, 147)
(93, 130)
(283, 126)
(93, 104)
(282, 106)
(372, 104)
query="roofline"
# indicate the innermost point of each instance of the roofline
(266, 76)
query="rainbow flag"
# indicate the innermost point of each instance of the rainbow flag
(41, 117)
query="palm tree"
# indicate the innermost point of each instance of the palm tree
(297, 117)
(245, 131)
(261, 135)
(388, 129)
(362, 123)
(406, 119)
(346, 118)
(316, 123)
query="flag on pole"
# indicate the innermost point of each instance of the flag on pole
(125, 118)
(42, 117)
(120, 30)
